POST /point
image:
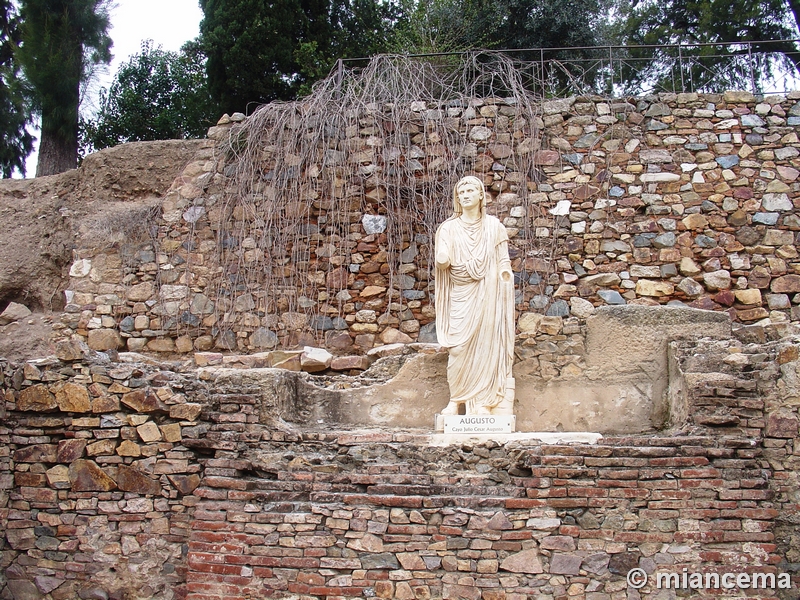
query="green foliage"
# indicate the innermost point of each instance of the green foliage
(258, 52)
(15, 141)
(156, 95)
(454, 25)
(437, 26)
(61, 41)
(721, 23)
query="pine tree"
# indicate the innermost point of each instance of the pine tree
(15, 141)
(61, 41)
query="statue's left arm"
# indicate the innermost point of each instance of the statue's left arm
(505, 262)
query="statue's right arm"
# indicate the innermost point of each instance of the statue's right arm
(442, 252)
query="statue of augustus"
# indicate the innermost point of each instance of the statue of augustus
(475, 304)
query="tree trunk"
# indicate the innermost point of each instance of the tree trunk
(56, 155)
(794, 6)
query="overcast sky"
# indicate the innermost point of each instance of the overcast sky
(169, 23)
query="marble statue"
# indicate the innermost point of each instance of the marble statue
(475, 305)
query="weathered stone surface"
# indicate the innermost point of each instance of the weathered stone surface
(717, 280)
(141, 400)
(69, 350)
(141, 292)
(58, 477)
(751, 314)
(189, 411)
(185, 484)
(131, 479)
(46, 584)
(104, 339)
(161, 345)
(390, 335)
(690, 287)
(37, 453)
(149, 432)
(70, 450)
(611, 296)
(347, 363)
(580, 308)
(558, 542)
(782, 425)
(647, 287)
(381, 560)
(529, 322)
(776, 203)
(36, 398)
(787, 284)
(367, 543)
(72, 397)
(263, 338)
(565, 564)
(129, 448)
(751, 296)
(313, 360)
(527, 561)
(22, 589)
(86, 476)
(14, 312)
(373, 224)
(695, 221)
(411, 561)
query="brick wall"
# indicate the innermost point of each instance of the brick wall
(127, 480)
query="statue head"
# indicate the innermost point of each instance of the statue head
(469, 179)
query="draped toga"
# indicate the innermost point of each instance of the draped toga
(475, 311)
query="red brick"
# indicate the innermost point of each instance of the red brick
(679, 461)
(752, 513)
(586, 492)
(629, 493)
(229, 483)
(520, 534)
(608, 483)
(699, 536)
(714, 484)
(517, 503)
(699, 473)
(568, 502)
(547, 493)
(640, 537)
(744, 536)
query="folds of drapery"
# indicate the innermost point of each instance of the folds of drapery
(475, 311)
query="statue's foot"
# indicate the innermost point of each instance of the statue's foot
(450, 409)
(483, 410)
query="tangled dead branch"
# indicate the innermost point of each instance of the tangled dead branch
(387, 141)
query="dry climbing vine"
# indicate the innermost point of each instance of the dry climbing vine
(391, 140)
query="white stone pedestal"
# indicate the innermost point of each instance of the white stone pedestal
(475, 424)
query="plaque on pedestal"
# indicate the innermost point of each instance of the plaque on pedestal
(475, 424)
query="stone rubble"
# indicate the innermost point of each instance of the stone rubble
(670, 198)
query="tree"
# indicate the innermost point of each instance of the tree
(156, 95)
(258, 52)
(61, 41)
(723, 25)
(15, 142)
(441, 26)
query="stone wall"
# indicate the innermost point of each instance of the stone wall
(685, 198)
(147, 479)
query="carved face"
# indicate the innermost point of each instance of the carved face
(469, 195)
(472, 186)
